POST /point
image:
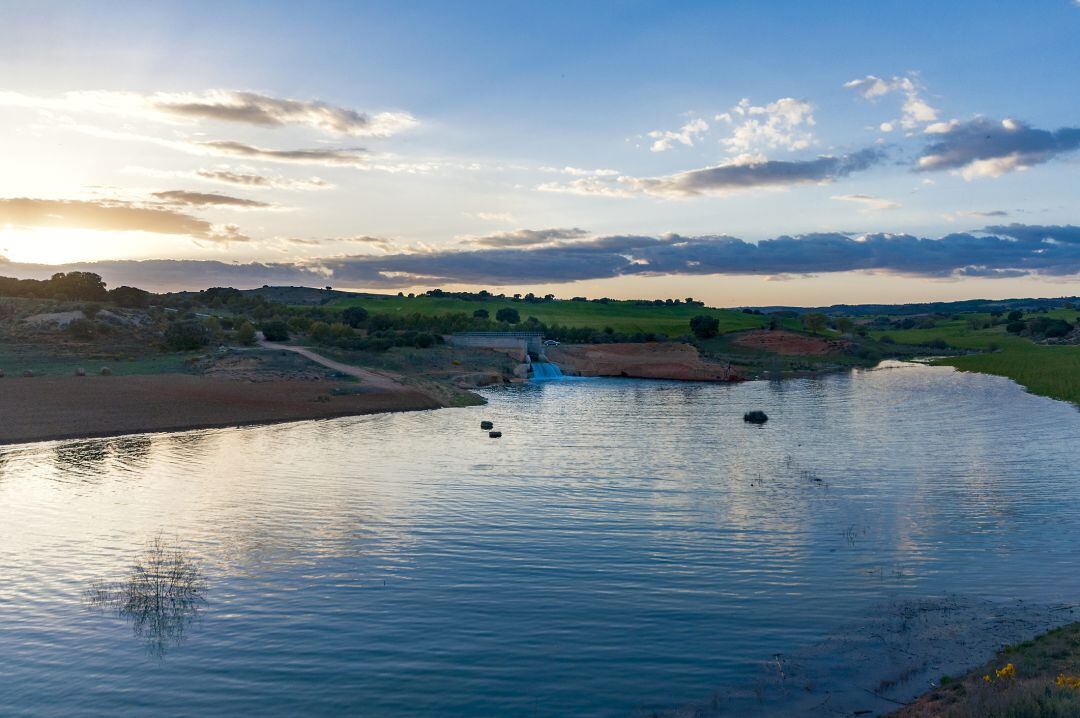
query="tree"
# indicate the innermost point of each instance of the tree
(275, 331)
(78, 285)
(245, 334)
(704, 326)
(354, 316)
(131, 297)
(814, 321)
(186, 335)
(481, 314)
(844, 325)
(508, 315)
(1015, 315)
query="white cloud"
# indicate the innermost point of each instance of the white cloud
(914, 110)
(223, 106)
(687, 134)
(778, 125)
(870, 203)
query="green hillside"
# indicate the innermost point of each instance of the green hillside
(622, 316)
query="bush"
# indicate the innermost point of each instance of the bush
(481, 314)
(1015, 315)
(1015, 327)
(354, 316)
(423, 340)
(245, 334)
(186, 335)
(704, 327)
(275, 331)
(938, 344)
(886, 339)
(81, 328)
(508, 315)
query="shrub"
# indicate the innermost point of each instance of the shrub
(354, 316)
(81, 328)
(186, 335)
(423, 340)
(938, 344)
(1015, 327)
(886, 339)
(704, 327)
(320, 332)
(1015, 315)
(275, 331)
(245, 334)
(481, 314)
(508, 315)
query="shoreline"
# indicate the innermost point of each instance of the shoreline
(53, 408)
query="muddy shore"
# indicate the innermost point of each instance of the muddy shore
(47, 408)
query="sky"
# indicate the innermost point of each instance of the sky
(743, 153)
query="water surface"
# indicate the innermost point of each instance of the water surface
(627, 546)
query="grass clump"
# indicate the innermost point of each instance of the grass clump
(1034, 679)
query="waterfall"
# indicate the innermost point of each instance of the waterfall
(545, 371)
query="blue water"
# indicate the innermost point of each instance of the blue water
(626, 546)
(545, 371)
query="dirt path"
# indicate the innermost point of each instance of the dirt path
(372, 378)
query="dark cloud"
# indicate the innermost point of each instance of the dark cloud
(1011, 251)
(207, 199)
(351, 157)
(528, 237)
(255, 109)
(110, 216)
(1035, 233)
(741, 174)
(987, 148)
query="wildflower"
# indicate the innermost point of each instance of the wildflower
(1064, 681)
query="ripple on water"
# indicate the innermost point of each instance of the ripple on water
(626, 546)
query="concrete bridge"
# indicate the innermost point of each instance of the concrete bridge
(524, 342)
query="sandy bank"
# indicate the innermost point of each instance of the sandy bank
(41, 408)
(654, 360)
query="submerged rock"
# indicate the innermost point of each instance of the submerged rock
(486, 425)
(755, 417)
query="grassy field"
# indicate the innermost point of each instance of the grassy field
(628, 317)
(45, 360)
(1052, 371)
(1034, 679)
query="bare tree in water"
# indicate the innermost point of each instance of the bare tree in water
(161, 597)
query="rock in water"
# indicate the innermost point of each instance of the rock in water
(80, 372)
(28, 373)
(485, 425)
(106, 371)
(494, 434)
(755, 417)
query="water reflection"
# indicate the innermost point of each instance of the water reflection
(161, 597)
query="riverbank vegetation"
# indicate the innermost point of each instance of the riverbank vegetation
(1039, 678)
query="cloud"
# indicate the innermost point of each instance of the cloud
(780, 124)
(351, 157)
(205, 199)
(580, 172)
(251, 179)
(686, 135)
(23, 212)
(741, 173)
(382, 243)
(914, 111)
(870, 202)
(985, 148)
(984, 214)
(493, 216)
(527, 237)
(997, 252)
(223, 106)
(1038, 233)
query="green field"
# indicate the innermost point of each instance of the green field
(1052, 371)
(627, 317)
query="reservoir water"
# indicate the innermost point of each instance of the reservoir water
(625, 547)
